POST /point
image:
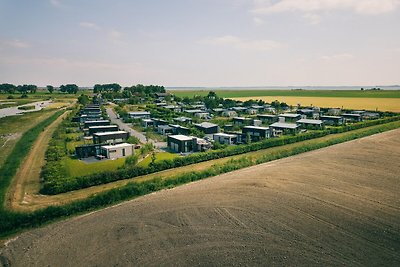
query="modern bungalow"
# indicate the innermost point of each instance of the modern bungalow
(181, 143)
(256, 133)
(178, 129)
(332, 120)
(224, 138)
(184, 120)
(352, 117)
(289, 117)
(110, 137)
(267, 118)
(165, 129)
(147, 123)
(242, 121)
(310, 123)
(102, 128)
(229, 113)
(139, 114)
(117, 151)
(88, 124)
(279, 128)
(207, 127)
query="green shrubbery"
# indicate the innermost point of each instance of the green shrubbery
(21, 149)
(56, 186)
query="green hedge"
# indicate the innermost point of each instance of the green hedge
(11, 221)
(21, 149)
(66, 184)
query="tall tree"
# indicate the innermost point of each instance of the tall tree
(50, 88)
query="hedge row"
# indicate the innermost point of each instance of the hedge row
(12, 221)
(57, 186)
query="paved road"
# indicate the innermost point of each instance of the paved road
(12, 111)
(126, 127)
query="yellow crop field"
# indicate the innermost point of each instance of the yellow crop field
(380, 104)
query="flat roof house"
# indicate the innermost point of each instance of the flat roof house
(117, 151)
(178, 129)
(332, 120)
(173, 108)
(86, 151)
(147, 123)
(279, 128)
(352, 117)
(87, 124)
(139, 114)
(370, 115)
(183, 120)
(110, 137)
(289, 117)
(102, 128)
(229, 113)
(256, 133)
(267, 118)
(181, 143)
(310, 124)
(165, 129)
(202, 115)
(242, 121)
(159, 122)
(207, 127)
(239, 109)
(224, 138)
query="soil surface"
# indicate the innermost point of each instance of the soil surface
(334, 206)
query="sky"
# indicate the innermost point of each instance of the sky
(204, 43)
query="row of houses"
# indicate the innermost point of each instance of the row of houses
(108, 140)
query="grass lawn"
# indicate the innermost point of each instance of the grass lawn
(305, 93)
(159, 156)
(11, 129)
(76, 167)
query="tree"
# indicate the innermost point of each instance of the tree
(50, 88)
(83, 99)
(69, 88)
(153, 158)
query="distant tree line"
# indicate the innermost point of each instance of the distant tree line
(134, 92)
(7, 88)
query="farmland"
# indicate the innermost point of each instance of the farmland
(380, 104)
(301, 210)
(292, 93)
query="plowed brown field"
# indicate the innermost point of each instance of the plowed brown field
(334, 206)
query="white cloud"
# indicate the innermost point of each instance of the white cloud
(89, 25)
(239, 43)
(343, 56)
(314, 19)
(367, 7)
(14, 43)
(258, 21)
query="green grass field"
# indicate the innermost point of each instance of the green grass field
(304, 93)
(159, 156)
(76, 167)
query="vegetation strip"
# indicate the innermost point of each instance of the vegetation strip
(300, 93)
(21, 149)
(62, 185)
(11, 222)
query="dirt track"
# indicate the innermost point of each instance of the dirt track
(335, 206)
